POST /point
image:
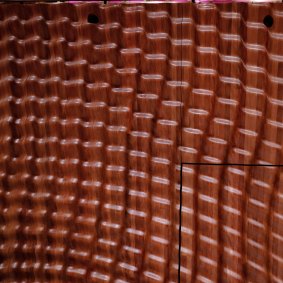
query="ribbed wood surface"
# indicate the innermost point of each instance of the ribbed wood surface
(96, 119)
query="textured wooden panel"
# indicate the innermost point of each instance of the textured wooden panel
(96, 119)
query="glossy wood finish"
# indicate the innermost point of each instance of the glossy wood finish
(96, 119)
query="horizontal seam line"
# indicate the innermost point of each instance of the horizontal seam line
(231, 164)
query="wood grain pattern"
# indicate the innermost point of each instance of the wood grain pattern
(96, 119)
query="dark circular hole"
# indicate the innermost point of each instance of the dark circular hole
(92, 19)
(268, 21)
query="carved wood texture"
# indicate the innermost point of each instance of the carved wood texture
(96, 119)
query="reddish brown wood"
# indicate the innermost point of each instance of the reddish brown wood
(96, 119)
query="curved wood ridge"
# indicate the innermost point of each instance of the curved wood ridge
(96, 119)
